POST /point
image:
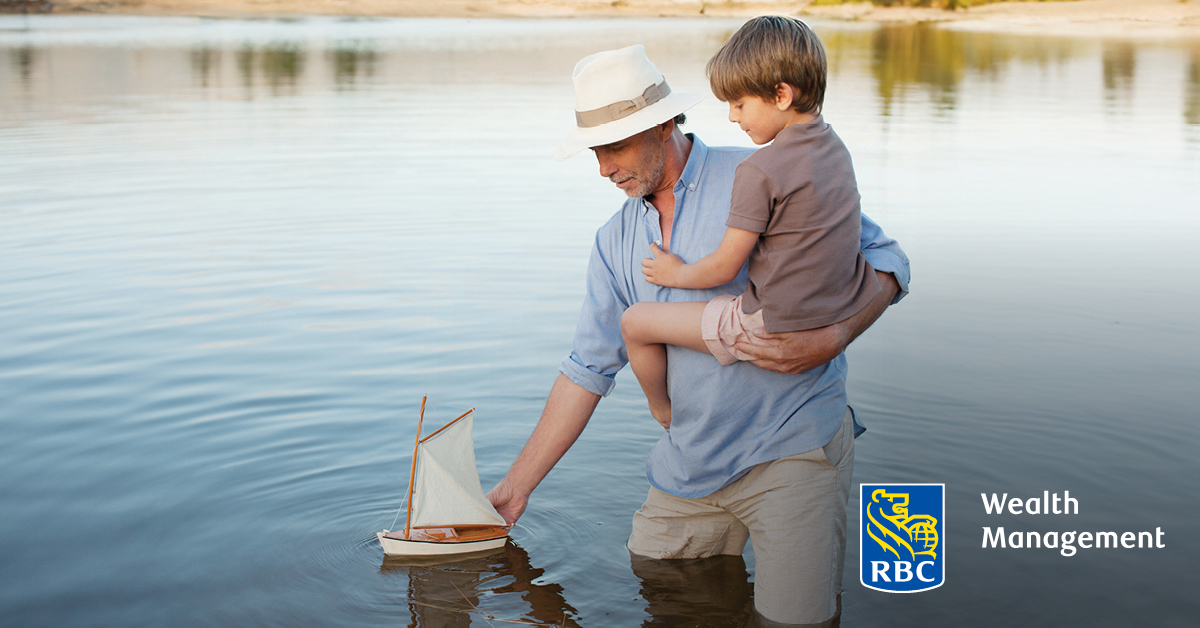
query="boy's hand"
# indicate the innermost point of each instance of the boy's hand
(663, 268)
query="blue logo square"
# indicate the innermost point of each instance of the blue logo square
(902, 537)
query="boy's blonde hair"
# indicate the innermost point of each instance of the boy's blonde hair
(765, 52)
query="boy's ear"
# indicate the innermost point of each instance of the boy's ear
(785, 95)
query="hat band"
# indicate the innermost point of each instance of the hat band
(621, 109)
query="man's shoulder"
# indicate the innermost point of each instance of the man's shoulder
(721, 162)
(730, 154)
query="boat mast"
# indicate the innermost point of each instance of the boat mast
(412, 476)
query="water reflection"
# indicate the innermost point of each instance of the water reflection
(939, 60)
(244, 58)
(23, 60)
(715, 590)
(449, 592)
(1191, 99)
(917, 55)
(348, 63)
(281, 65)
(902, 60)
(204, 61)
(1119, 60)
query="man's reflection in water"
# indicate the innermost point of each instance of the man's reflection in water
(711, 592)
(447, 591)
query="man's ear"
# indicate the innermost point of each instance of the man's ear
(785, 95)
(665, 129)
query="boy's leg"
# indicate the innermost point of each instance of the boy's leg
(646, 327)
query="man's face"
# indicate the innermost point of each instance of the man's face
(636, 164)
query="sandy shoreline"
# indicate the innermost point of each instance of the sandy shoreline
(1148, 19)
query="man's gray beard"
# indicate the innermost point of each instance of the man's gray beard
(648, 184)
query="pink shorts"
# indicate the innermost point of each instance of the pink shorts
(723, 324)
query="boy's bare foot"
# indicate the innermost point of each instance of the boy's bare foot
(662, 414)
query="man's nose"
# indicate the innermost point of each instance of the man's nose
(607, 167)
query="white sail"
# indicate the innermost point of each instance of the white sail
(446, 491)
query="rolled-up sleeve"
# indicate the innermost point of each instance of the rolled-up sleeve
(598, 351)
(885, 255)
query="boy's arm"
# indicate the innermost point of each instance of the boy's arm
(715, 269)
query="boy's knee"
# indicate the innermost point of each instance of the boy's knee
(632, 321)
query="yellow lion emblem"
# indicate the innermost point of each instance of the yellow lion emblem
(895, 531)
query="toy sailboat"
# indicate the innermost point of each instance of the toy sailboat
(447, 510)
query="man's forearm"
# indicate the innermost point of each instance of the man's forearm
(568, 409)
(798, 351)
(866, 317)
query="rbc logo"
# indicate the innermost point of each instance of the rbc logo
(901, 537)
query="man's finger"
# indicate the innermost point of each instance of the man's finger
(761, 352)
(779, 367)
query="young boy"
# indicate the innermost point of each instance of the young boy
(794, 213)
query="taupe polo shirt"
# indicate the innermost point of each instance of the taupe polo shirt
(807, 270)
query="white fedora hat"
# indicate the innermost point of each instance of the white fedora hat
(618, 94)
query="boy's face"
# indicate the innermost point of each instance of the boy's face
(763, 119)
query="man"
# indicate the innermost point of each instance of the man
(751, 452)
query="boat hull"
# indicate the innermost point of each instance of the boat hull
(402, 547)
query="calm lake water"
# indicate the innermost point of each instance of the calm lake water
(234, 255)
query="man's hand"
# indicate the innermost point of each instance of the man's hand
(508, 502)
(568, 409)
(798, 351)
(662, 269)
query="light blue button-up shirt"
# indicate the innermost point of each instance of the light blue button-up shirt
(724, 419)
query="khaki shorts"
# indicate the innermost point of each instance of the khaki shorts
(792, 509)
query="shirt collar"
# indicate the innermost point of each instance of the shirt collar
(695, 165)
(800, 130)
(690, 178)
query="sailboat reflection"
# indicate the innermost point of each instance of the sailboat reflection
(448, 591)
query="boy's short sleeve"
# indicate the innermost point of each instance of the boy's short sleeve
(753, 197)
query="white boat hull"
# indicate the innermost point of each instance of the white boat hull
(401, 547)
